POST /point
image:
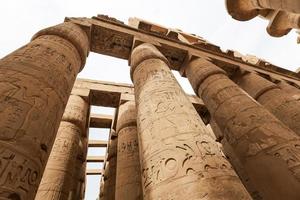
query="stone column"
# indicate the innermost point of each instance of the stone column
(79, 170)
(267, 149)
(109, 177)
(35, 81)
(57, 179)
(102, 194)
(179, 157)
(128, 179)
(234, 161)
(291, 90)
(281, 104)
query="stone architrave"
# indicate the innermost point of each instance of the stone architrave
(291, 90)
(36, 81)
(279, 103)
(128, 179)
(268, 150)
(179, 158)
(57, 179)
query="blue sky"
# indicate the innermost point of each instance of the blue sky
(206, 18)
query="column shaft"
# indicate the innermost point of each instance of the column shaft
(128, 179)
(268, 150)
(281, 104)
(291, 90)
(35, 83)
(179, 158)
(111, 170)
(57, 179)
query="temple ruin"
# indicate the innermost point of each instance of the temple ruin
(237, 139)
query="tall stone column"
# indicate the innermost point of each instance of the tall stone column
(291, 90)
(128, 179)
(35, 81)
(79, 170)
(179, 158)
(234, 161)
(57, 179)
(111, 170)
(268, 150)
(281, 104)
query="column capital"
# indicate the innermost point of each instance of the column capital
(72, 33)
(144, 52)
(262, 85)
(199, 69)
(127, 115)
(242, 10)
(76, 112)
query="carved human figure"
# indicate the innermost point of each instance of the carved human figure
(128, 178)
(267, 149)
(277, 101)
(179, 158)
(35, 81)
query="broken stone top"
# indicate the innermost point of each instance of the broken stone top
(283, 15)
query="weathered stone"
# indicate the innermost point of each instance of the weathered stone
(79, 169)
(267, 149)
(76, 112)
(179, 157)
(67, 151)
(35, 81)
(128, 179)
(56, 181)
(278, 102)
(111, 170)
(291, 90)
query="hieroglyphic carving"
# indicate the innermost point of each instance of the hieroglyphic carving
(58, 176)
(36, 81)
(273, 98)
(56, 181)
(259, 140)
(111, 42)
(128, 178)
(174, 143)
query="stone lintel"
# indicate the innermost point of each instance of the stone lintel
(100, 121)
(122, 39)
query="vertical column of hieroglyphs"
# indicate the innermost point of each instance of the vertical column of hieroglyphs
(128, 179)
(281, 104)
(35, 81)
(269, 151)
(291, 90)
(57, 179)
(179, 158)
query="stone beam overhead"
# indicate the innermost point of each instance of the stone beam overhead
(100, 121)
(110, 94)
(111, 37)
